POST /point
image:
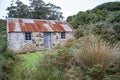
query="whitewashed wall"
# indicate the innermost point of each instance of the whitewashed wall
(18, 44)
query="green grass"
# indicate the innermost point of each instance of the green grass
(28, 68)
(26, 65)
(30, 59)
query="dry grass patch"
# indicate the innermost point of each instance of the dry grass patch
(94, 51)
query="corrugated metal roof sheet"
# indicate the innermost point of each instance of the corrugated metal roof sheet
(36, 25)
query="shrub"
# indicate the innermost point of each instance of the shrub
(69, 43)
(96, 72)
(51, 67)
(113, 72)
(79, 33)
(75, 73)
(6, 60)
(58, 46)
(94, 51)
(95, 55)
(47, 73)
(64, 59)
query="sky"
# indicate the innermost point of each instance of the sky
(69, 7)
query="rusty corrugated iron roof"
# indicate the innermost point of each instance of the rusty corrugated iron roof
(37, 25)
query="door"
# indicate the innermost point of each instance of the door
(47, 40)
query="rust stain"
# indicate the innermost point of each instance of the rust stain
(40, 26)
(22, 25)
(57, 27)
(37, 25)
(11, 26)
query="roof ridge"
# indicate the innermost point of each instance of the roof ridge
(38, 19)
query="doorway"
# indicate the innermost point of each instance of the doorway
(47, 40)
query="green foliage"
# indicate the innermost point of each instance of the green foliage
(62, 60)
(110, 28)
(38, 9)
(111, 6)
(97, 58)
(112, 77)
(75, 73)
(46, 73)
(87, 17)
(96, 72)
(18, 10)
(52, 66)
(69, 18)
(93, 51)
(69, 43)
(6, 60)
(78, 33)
(3, 30)
(113, 72)
(88, 77)
(103, 21)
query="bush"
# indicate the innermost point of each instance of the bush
(47, 73)
(94, 55)
(53, 66)
(64, 59)
(96, 72)
(69, 43)
(79, 33)
(94, 51)
(6, 60)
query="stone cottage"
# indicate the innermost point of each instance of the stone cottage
(26, 35)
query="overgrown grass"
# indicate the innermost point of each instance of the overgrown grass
(95, 56)
(95, 51)
(25, 68)
(52, 66)
(30, 59)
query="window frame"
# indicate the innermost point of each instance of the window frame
(28, 36)
(63, 35)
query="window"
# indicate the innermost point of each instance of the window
(62, 35)
(28, 36)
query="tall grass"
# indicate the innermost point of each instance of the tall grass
(47, 70)
(94, 51)
(95, 56)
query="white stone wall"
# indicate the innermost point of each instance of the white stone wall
(56, 38)
(38, 40)
(69, 35)
(18, 44)
(15, 40)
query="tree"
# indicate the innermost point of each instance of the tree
(37, 9)
(42, 10)
(111, 6)
(95, 15)
(18, 10)
(105, 20)
(54, 12)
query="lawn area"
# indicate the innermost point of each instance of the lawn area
(26, 64)
(30, 59)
